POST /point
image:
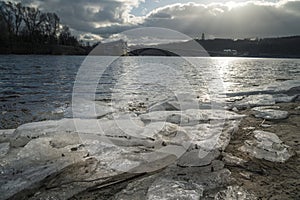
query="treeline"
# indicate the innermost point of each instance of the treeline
(283, 47)
(22, 25)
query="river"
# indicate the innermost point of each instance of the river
(34, 88)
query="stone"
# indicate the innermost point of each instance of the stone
(246, 175)
(269, 114)
(266, 125)
(235, 109)
(4, 148)
(235, 193)
(268, 146)
(6, 134)
(168, 189)
(232, 160)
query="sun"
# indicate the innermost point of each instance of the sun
(232, 4)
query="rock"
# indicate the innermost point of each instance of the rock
(168, 189)
(249, 128)
(231, 160)
(6, 134)
(268, 146)
(4, 148)
(266, 125)
(246, 175)
(234, 193)
(235, 109)
(270, 114)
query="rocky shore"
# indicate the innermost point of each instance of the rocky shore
(247, 148)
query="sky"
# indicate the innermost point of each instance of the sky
(93, 20)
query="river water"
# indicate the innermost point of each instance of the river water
(34, 88)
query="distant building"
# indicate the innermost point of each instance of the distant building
(230, 52)
(202, 36)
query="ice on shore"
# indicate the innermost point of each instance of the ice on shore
(93, 150)
(268, 146)
(169, 189)
(235, 193)
(278, 92)
(269, 113)
(178, 142)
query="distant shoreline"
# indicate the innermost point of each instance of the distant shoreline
(36, 49)
(284, 47)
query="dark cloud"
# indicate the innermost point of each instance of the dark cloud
(247, 19)
(86, 15)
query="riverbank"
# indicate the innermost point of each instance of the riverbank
(269, 180)
(39, 49)
(177, 155)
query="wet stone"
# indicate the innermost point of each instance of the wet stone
(232, 160)
(4, 148)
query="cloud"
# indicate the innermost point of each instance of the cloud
(238, 20)
(87, 15)
(245, 19)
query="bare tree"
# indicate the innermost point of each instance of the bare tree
(32, 18)
(18, 18)
(50, 24)
(6, 12)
